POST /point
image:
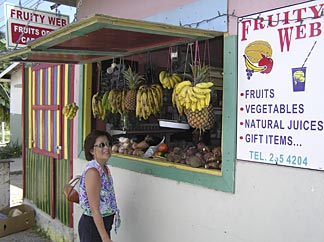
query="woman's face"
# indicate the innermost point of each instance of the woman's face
(101, 149)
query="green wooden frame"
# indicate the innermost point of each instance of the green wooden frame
(223, 181)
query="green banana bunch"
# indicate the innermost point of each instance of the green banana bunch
(115, 101)
(70, 110)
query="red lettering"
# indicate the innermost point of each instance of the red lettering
(315, 27)
(285, 37)
(299, 13)
(300, 33)
(12, 13)
(317, 12)
(274, 23)
(245, 29)
(19, 14)
(258, 23)
(286, 17)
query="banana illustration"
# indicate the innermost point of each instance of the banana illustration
(250, 66)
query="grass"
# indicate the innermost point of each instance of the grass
(11, 150)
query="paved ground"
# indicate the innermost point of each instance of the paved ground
(30, 235)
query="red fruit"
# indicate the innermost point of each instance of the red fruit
(267, 62)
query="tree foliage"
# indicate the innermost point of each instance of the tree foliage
(4, 87)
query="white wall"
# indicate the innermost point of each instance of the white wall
(16, 105)
(16, 92)
(270, 204)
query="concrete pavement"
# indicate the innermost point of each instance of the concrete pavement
(16, 198)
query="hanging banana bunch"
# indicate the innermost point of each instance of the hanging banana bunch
(97, 108)
(169, 80)
(187, 95)
(70, 110)
(149, 100)
(114, 101)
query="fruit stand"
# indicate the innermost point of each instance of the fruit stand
(173, 94)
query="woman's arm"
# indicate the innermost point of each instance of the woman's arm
(93, 187)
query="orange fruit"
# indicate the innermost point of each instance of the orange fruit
(163, 148)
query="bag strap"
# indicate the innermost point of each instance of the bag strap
(74, 181)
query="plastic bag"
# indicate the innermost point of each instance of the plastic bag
(152, 149)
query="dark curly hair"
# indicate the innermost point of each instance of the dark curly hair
(90, 141)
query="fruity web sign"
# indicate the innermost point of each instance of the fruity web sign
(24, 25)
(280, 86)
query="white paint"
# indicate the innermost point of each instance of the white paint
(16, 92)
(270, 203)
(291, 116)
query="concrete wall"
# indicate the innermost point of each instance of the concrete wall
(16, 106)
(4, 184)
(270, 203)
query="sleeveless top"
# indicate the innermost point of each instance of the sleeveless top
(108, 203)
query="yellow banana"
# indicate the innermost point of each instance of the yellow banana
(192, 98)
(207, 100)
(199, 107)
(176, 77)
(202, 103)
(181, 85)
(71, 112)
(65, 110)
(162, 75)
(201, 90)
(94, 105)
(184, 91)
(99, 105)
(193, 106)
(173, 98)
(250, 66)
(204, 84)
(199, 95)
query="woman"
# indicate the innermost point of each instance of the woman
(96, 194)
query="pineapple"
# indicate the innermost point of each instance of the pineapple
(133, 80)
(205, 118)
(202, 120)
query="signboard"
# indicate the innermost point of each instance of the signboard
(24, 24)
(280, 116)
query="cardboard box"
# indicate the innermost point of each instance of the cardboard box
(18, 223)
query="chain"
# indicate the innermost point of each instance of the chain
(77, 10)
(26, 26)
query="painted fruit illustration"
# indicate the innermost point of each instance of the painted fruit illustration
(257, 57)
(299, 76)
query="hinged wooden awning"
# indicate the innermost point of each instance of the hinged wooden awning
(103, 37)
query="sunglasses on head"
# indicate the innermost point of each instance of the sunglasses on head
(101, 145)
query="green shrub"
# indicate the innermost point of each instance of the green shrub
(11, 150)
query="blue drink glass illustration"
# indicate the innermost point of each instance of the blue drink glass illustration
(299, 78)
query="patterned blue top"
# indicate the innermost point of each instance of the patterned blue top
(108, 204)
